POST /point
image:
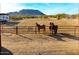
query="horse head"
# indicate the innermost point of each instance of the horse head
(51, 24)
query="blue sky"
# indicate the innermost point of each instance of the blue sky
(46, 8)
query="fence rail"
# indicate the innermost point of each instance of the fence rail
(32, 29)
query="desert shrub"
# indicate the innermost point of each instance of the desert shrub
(62, 15)
(20, 17)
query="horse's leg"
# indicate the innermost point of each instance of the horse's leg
(39, 30)
(55, 29)
(44, 29)
(52, 31)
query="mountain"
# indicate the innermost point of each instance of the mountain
(26, 12)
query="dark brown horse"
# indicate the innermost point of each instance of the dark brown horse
(53, 28)
(40, 26)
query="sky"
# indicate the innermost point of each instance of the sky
(46, 8)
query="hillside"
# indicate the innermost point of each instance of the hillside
(26, 12)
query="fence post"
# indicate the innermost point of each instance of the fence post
(35, 30)
(16, 30)
(0, 39)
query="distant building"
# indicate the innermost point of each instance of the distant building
(4, 17)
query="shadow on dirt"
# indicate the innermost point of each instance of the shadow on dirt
(60, 36)
(5, 51)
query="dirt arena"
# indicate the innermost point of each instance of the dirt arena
(43, 44)
(39, 44)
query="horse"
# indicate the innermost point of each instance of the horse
(40, 26)
(53, 28)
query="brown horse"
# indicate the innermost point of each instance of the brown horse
(53, 28)
(40, 26)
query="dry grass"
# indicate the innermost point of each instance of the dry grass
(46, 21)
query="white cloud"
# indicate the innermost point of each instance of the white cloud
(9, 7)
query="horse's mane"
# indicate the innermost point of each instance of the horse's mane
(41, 24)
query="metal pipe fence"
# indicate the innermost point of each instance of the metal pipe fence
(74, 30)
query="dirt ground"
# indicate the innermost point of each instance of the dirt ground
(40, 44)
